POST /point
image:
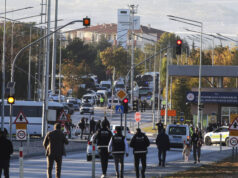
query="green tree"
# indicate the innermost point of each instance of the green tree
(115, 57)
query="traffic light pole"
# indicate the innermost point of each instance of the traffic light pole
(125, 127)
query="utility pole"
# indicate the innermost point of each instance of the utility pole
(3, 66)
(29, 70)
(132, 12)
(153, 106)
(54, 50)
(167, 84)
(46, 75)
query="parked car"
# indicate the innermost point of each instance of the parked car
(128, 134)
(86, 108)
(178, 135)
(214, 136)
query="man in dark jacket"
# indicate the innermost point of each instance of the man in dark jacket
(82, 126)
(163, 144)
(92, 125)
(54, 145)
(139, 143)
(196, 142)
(106, 122)
(118, 146)
(160, 126)
(6, 149)
(102, 138)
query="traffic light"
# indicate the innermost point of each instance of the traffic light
(179, 47)
(10, 99)
(125, 105)
(86, 21)
(135, 105)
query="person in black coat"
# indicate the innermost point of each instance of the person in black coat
(139, 143)
(92, 125)
(102, 138)
(197, 143)
(6, 149)
(106, 122)
(82, 126)
(163, 144)
(160, 126)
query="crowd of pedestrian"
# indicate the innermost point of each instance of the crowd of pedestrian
(107, 144)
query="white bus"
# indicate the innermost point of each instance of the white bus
(32, 110)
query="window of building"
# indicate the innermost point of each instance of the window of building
(226, 113)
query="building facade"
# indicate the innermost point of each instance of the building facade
(91, 34)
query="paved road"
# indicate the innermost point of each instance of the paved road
(75, 164)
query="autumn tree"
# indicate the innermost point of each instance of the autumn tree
(116, 57)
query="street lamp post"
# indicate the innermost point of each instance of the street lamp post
(32, 43)
(200, 25)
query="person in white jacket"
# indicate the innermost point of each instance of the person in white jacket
(118, 147)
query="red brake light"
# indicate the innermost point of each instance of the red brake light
(114, 131)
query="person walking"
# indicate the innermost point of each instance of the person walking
(106, 122)
(98, 125)
(6, 149)
(118, 146)
(101, 101)
(160, 126)
(197, 144)
(82, 126)
(92, 125)
(139, 143)
(102, 138)
(163, 144)
(54, 146)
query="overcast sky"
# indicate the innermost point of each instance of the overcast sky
(218, 16)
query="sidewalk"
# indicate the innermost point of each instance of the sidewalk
(174, 167)
(35, 147)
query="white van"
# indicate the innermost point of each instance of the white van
(112, 104)
(106, 84)
(178, 134)
(89, 98)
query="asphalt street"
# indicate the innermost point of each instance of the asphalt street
(75, 164)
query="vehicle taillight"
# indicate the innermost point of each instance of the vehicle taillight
(114, 131)
(89, 143)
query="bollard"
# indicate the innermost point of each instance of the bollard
(27, 144)
(21, 161)
(220, 142)
(93, 160)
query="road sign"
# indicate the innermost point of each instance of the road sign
(233, 141)
(121, 94)
(119, 109)
(63, 117)
(170, 112)
(20, 119)
(233, 131)
(234, 124)
(181, 119)
(21, 134)
(21, 126)
(137, 116)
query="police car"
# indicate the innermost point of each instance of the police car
(214, 136)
